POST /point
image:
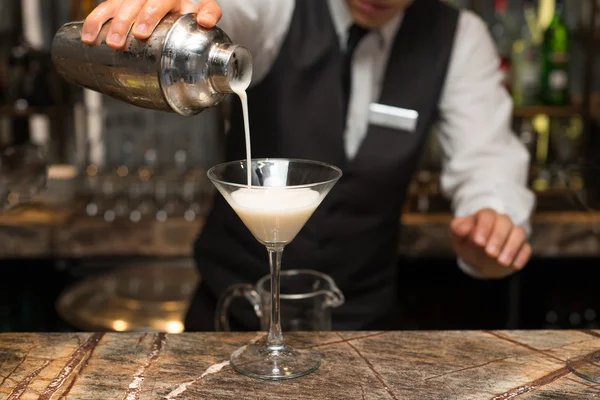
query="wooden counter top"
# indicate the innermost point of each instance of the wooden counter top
(357, 365)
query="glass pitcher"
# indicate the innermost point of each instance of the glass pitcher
(307, 298)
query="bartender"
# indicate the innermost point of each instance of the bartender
(319, 66)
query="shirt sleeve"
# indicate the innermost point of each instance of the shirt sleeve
(260, 26)
(484, 164)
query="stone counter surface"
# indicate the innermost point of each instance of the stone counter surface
(357, 365)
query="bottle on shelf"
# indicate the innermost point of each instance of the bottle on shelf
(16, 92)
(542, 178)
(504, 28)
(526, 66)
(529, 137)
(555, 60)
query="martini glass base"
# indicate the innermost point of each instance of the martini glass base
(256, 360)
(586, 367)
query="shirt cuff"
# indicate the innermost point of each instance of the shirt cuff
(479, 203)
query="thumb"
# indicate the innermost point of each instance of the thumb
(209, 13)
(462, 226)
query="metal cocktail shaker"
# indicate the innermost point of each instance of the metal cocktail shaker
(181, 68)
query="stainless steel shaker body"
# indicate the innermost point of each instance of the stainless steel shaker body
(181, 68)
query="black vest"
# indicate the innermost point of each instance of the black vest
(296, 112)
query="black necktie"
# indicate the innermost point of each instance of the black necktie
(355, 34)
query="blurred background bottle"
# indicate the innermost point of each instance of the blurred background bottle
(526, 59)
(504, 28)
(555, 60)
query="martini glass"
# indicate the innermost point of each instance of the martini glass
(283, 195)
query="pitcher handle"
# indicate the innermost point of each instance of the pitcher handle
(334, 297)
(238, 290)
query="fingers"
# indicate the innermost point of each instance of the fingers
(98, 17)
(502, 228)
(150, 15)
(462, 227)
(493, 237)
(484, 224)
(209, 13)
(144, 16)
(122, 22)
(514, 244)
(523, 256)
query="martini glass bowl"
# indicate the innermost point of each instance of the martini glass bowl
(282, 196)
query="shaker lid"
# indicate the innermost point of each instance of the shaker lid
(230, 68)
(198, 66)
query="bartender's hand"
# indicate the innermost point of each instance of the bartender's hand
(143, 15)
(491, 243)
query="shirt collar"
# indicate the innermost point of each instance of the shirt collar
(342, 20)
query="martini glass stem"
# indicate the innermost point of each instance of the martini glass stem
(275, 338)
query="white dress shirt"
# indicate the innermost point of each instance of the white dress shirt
(484, 164)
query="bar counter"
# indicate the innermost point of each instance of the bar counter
(357, 365)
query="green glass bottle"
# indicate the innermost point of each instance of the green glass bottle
(555, 60)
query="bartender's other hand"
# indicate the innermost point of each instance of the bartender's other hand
(143, 16)
(491, 243)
